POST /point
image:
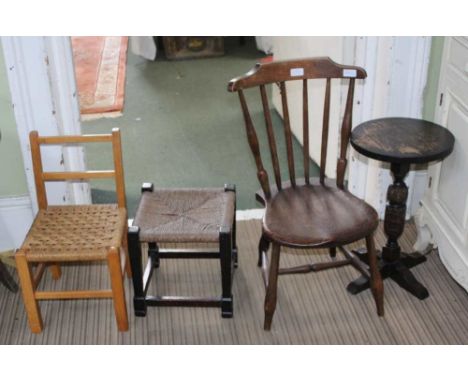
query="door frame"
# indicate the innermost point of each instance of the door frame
(43, 90)
(435, 224)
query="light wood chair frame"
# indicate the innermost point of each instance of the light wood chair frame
(30, 278)
(278, 73)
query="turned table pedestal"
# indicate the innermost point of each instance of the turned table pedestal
(401, 142)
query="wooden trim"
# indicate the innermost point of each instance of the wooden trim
(59, 176)
(55, 140)
(72, 294)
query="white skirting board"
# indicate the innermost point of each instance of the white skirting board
(441, 231)
(16, 217)
(256, 213)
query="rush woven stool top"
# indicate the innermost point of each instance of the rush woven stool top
(184, 215)
(189, 215)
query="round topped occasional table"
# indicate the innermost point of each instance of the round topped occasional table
(401, 142)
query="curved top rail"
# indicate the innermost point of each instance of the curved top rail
(308, 68)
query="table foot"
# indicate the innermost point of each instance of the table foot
(397, 270)
(6, 279)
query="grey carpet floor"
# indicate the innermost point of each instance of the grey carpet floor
(312, 308)
(182, 128)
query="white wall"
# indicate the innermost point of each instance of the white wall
(397, 74)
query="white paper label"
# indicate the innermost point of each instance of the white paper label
(297, 72)
(349, 73)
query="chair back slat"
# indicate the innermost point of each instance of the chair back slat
(279, 73)
(325, 126)
(345, 134)
(287, 133)
(305, 129)
(254, 146)
(40, 177)
(271, 137)
(51, 176)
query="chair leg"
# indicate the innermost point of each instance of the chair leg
(56, 271)
(27, 289)
(262, 247)
(226, 253)
(120, 307)
(376, 279)
(270, 298)
(333, 252)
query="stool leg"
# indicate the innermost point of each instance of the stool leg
(27, 288)
(234, 242)
(134, 251)
(118, 292)
(153, 252)
(56, 271)
(225, 251)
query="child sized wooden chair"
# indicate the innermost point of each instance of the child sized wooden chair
(74, 233)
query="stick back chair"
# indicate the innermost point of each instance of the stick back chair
(74, 233)
(307, 213)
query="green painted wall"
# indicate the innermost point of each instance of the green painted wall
(430, 93)
(12, 177)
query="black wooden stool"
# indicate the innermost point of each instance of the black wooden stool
(205, 215)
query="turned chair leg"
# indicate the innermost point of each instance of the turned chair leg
(116, 276)
(262, 247)
(56, 271)
(27, 289)
(270, 298)
(376, 279)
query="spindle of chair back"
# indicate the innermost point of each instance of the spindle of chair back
(40, 177)
(281, 72)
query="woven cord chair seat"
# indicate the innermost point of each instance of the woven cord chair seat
(184, 215)
(71, 233)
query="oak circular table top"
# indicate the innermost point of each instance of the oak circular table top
(402, 140)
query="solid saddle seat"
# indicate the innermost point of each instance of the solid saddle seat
(306, 213)
(323, 216)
